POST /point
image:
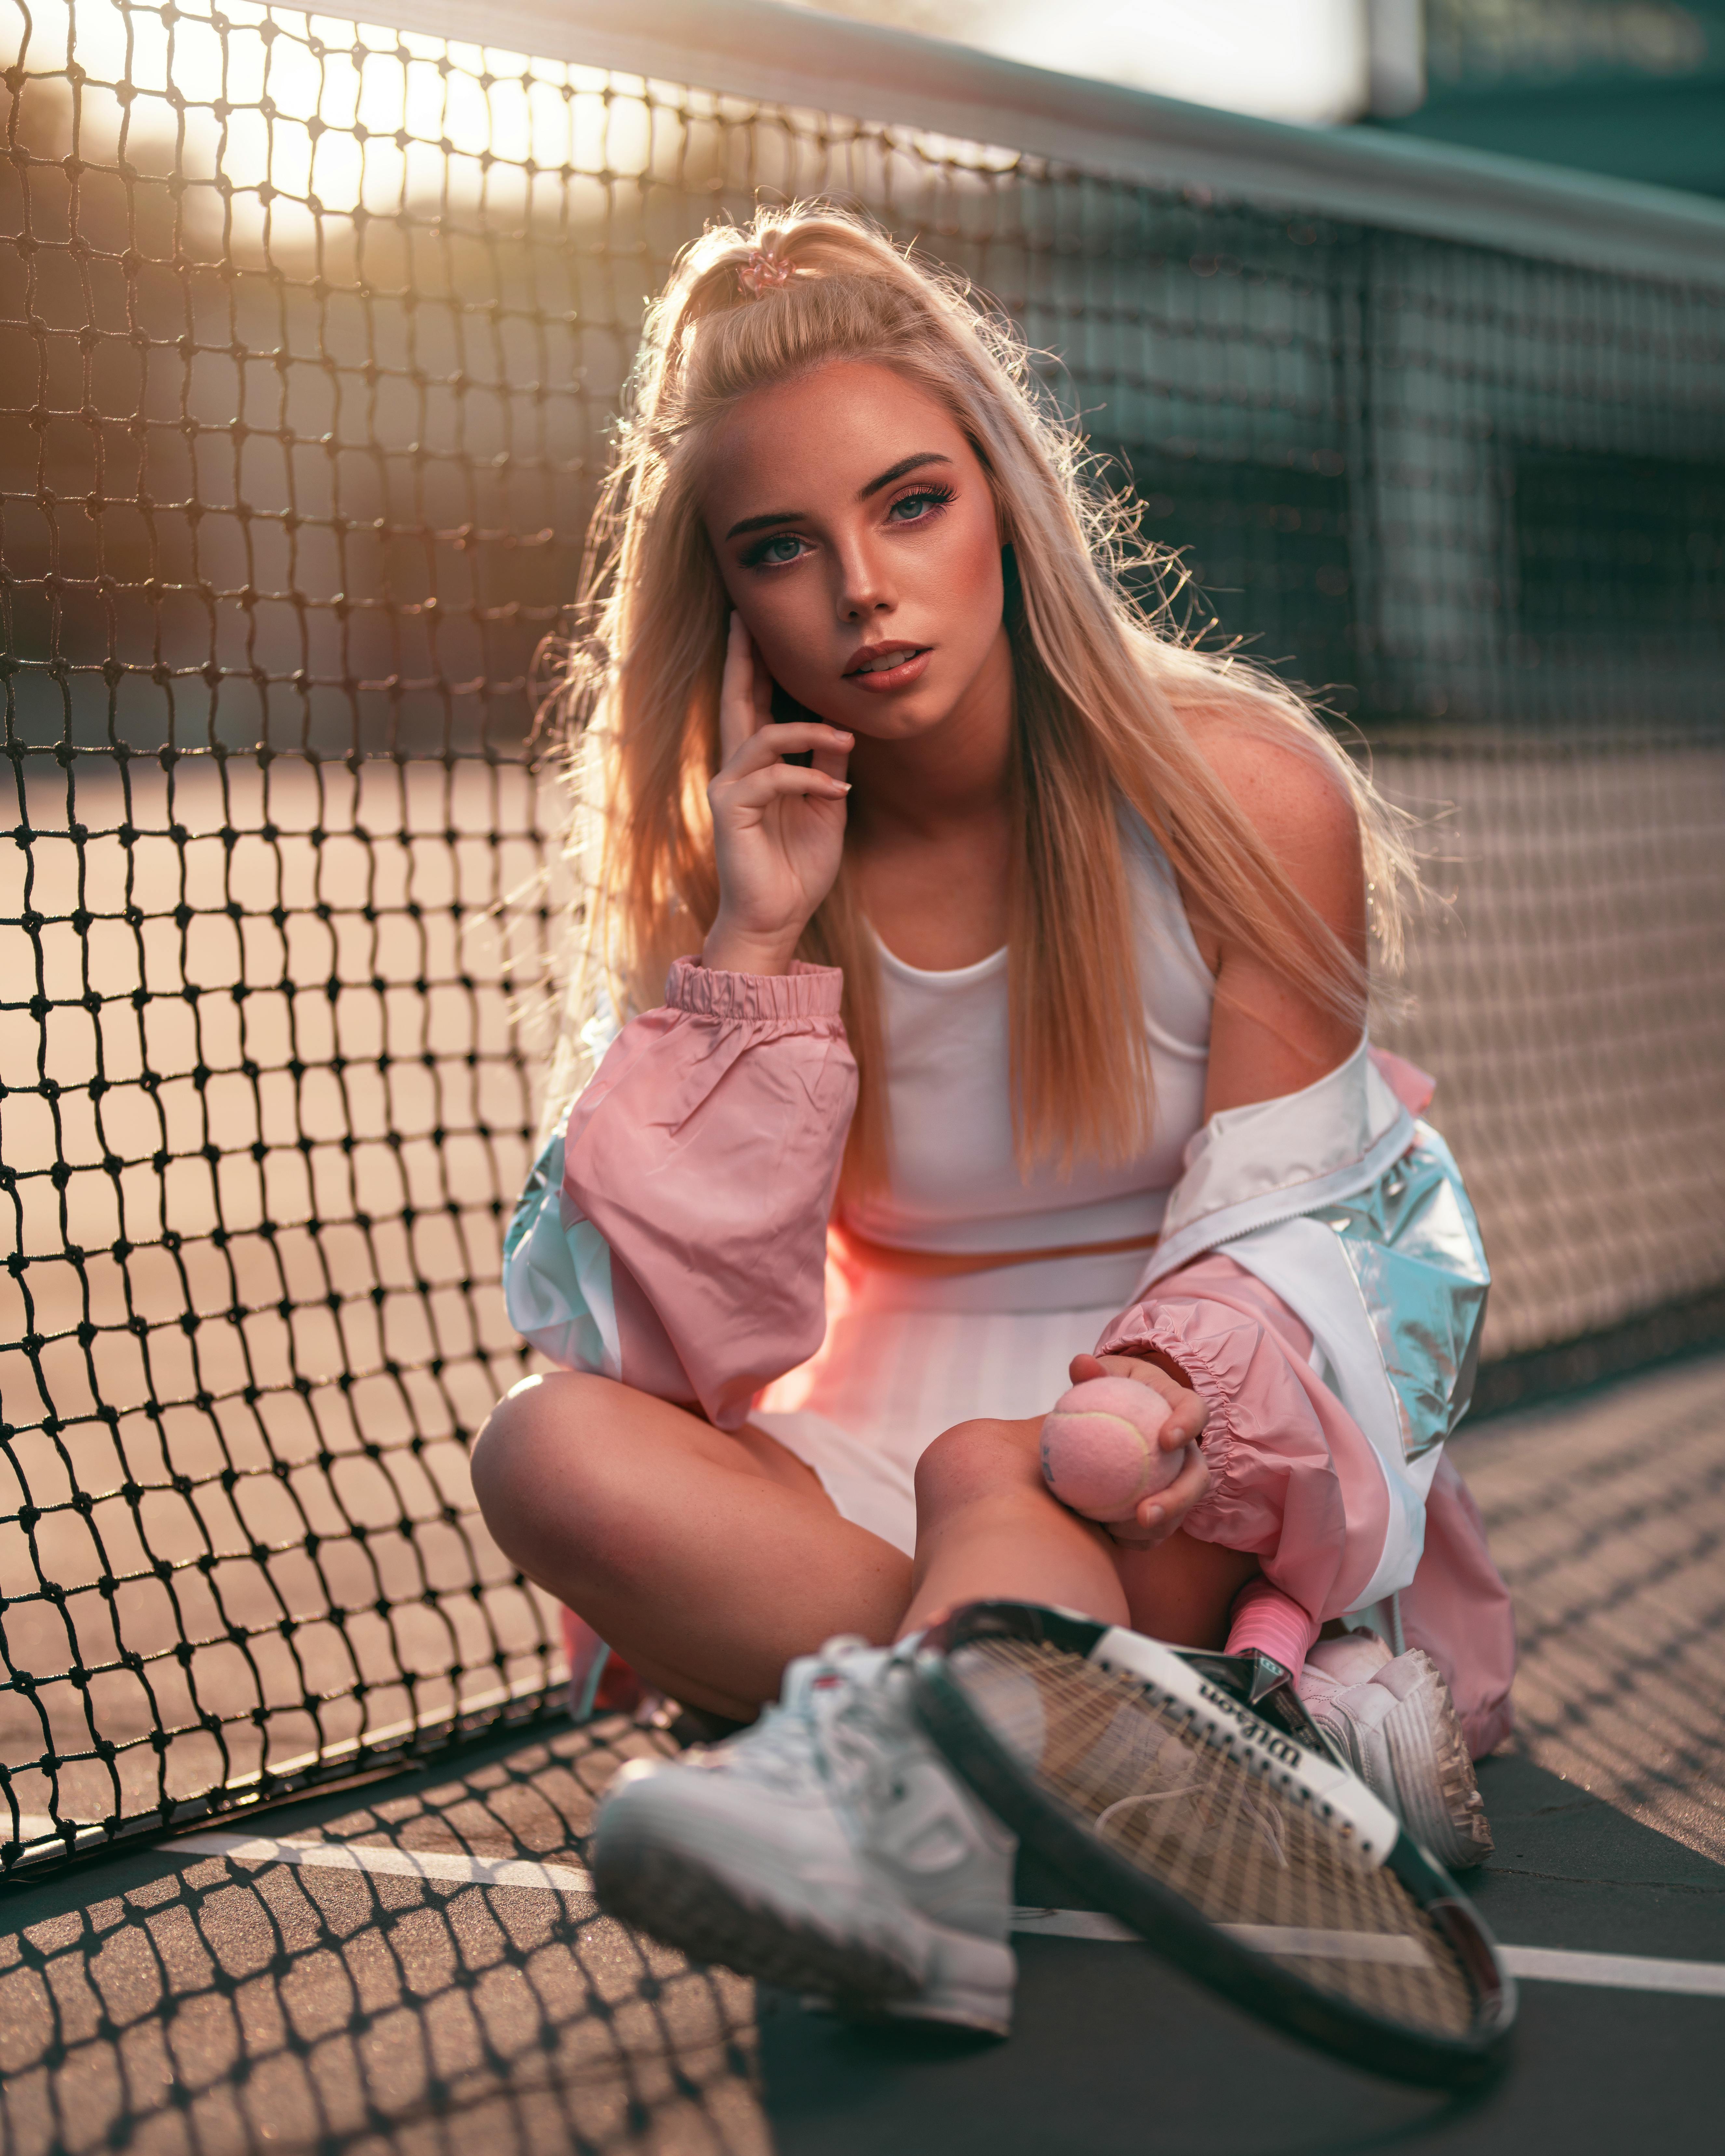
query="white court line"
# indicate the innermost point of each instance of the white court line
(1617, 1972)
(1543, 1964)
(1070, 1924)
(393, 1863)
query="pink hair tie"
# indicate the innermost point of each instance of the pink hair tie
(760, 271)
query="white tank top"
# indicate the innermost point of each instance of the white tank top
(955, 1184)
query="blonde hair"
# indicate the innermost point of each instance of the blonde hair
(1100, 683)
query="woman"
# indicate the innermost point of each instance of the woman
(1017, 960)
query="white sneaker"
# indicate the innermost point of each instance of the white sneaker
(828, 1848)
(1393, 1720)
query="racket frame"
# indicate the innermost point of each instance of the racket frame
(1164, 1920)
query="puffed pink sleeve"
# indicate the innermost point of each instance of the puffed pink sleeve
(1295, 1481)
(1293, 1478)
(705, 1153)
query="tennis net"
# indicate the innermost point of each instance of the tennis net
(311, 334)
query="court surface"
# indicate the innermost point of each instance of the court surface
(415, 1965)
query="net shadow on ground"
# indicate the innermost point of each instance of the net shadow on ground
(165, 2000)
(1607, 1515)
(173, 2002)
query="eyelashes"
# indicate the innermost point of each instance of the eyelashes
(926, 500)
(932, 493)
(760, 556)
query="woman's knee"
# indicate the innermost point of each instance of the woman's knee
(978, 1458)
(537, 1420)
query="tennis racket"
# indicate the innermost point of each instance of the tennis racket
(1232, 1842)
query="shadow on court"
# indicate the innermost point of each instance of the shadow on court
(1115, 2052)
(173, 2001)
(167, 2000)
(177, 2001)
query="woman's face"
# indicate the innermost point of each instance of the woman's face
(856, 534)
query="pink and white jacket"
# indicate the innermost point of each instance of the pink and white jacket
(1319, 1278)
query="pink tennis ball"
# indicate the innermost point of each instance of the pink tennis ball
(1101, 1449)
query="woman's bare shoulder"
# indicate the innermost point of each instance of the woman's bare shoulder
(1289, 789)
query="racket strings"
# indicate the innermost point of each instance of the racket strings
(1185, 1812)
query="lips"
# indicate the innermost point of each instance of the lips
(879, 657)
(882, 666)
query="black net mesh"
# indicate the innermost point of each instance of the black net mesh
(309, 340)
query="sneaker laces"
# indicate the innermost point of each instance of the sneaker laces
(774, 1752)
(779, 1750)
(859, 1718)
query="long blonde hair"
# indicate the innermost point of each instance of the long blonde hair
(1100, 688)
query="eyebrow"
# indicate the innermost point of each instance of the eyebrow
(910, 464)
(904, 465)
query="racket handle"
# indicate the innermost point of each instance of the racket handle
(1266, 1621)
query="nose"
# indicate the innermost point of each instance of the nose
(866, 585)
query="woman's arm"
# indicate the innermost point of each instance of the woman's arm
(1267, 1039)
(676, 1236)
(1291, 1478)
(683, 1249)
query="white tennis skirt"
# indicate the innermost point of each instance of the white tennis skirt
(905, 1359)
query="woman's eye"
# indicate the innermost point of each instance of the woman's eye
(912, 508)
(781, 546)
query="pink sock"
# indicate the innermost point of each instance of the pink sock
(1273, 1623)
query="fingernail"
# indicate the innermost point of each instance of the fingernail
(842, 785)
(844, 734)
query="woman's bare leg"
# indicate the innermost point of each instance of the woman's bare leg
(1182, 1590)
(707, 1560)
(988, 1529)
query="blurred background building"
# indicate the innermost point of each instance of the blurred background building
(1631, 88)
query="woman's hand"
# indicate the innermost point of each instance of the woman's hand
(778, 828)
(1160, 1516)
